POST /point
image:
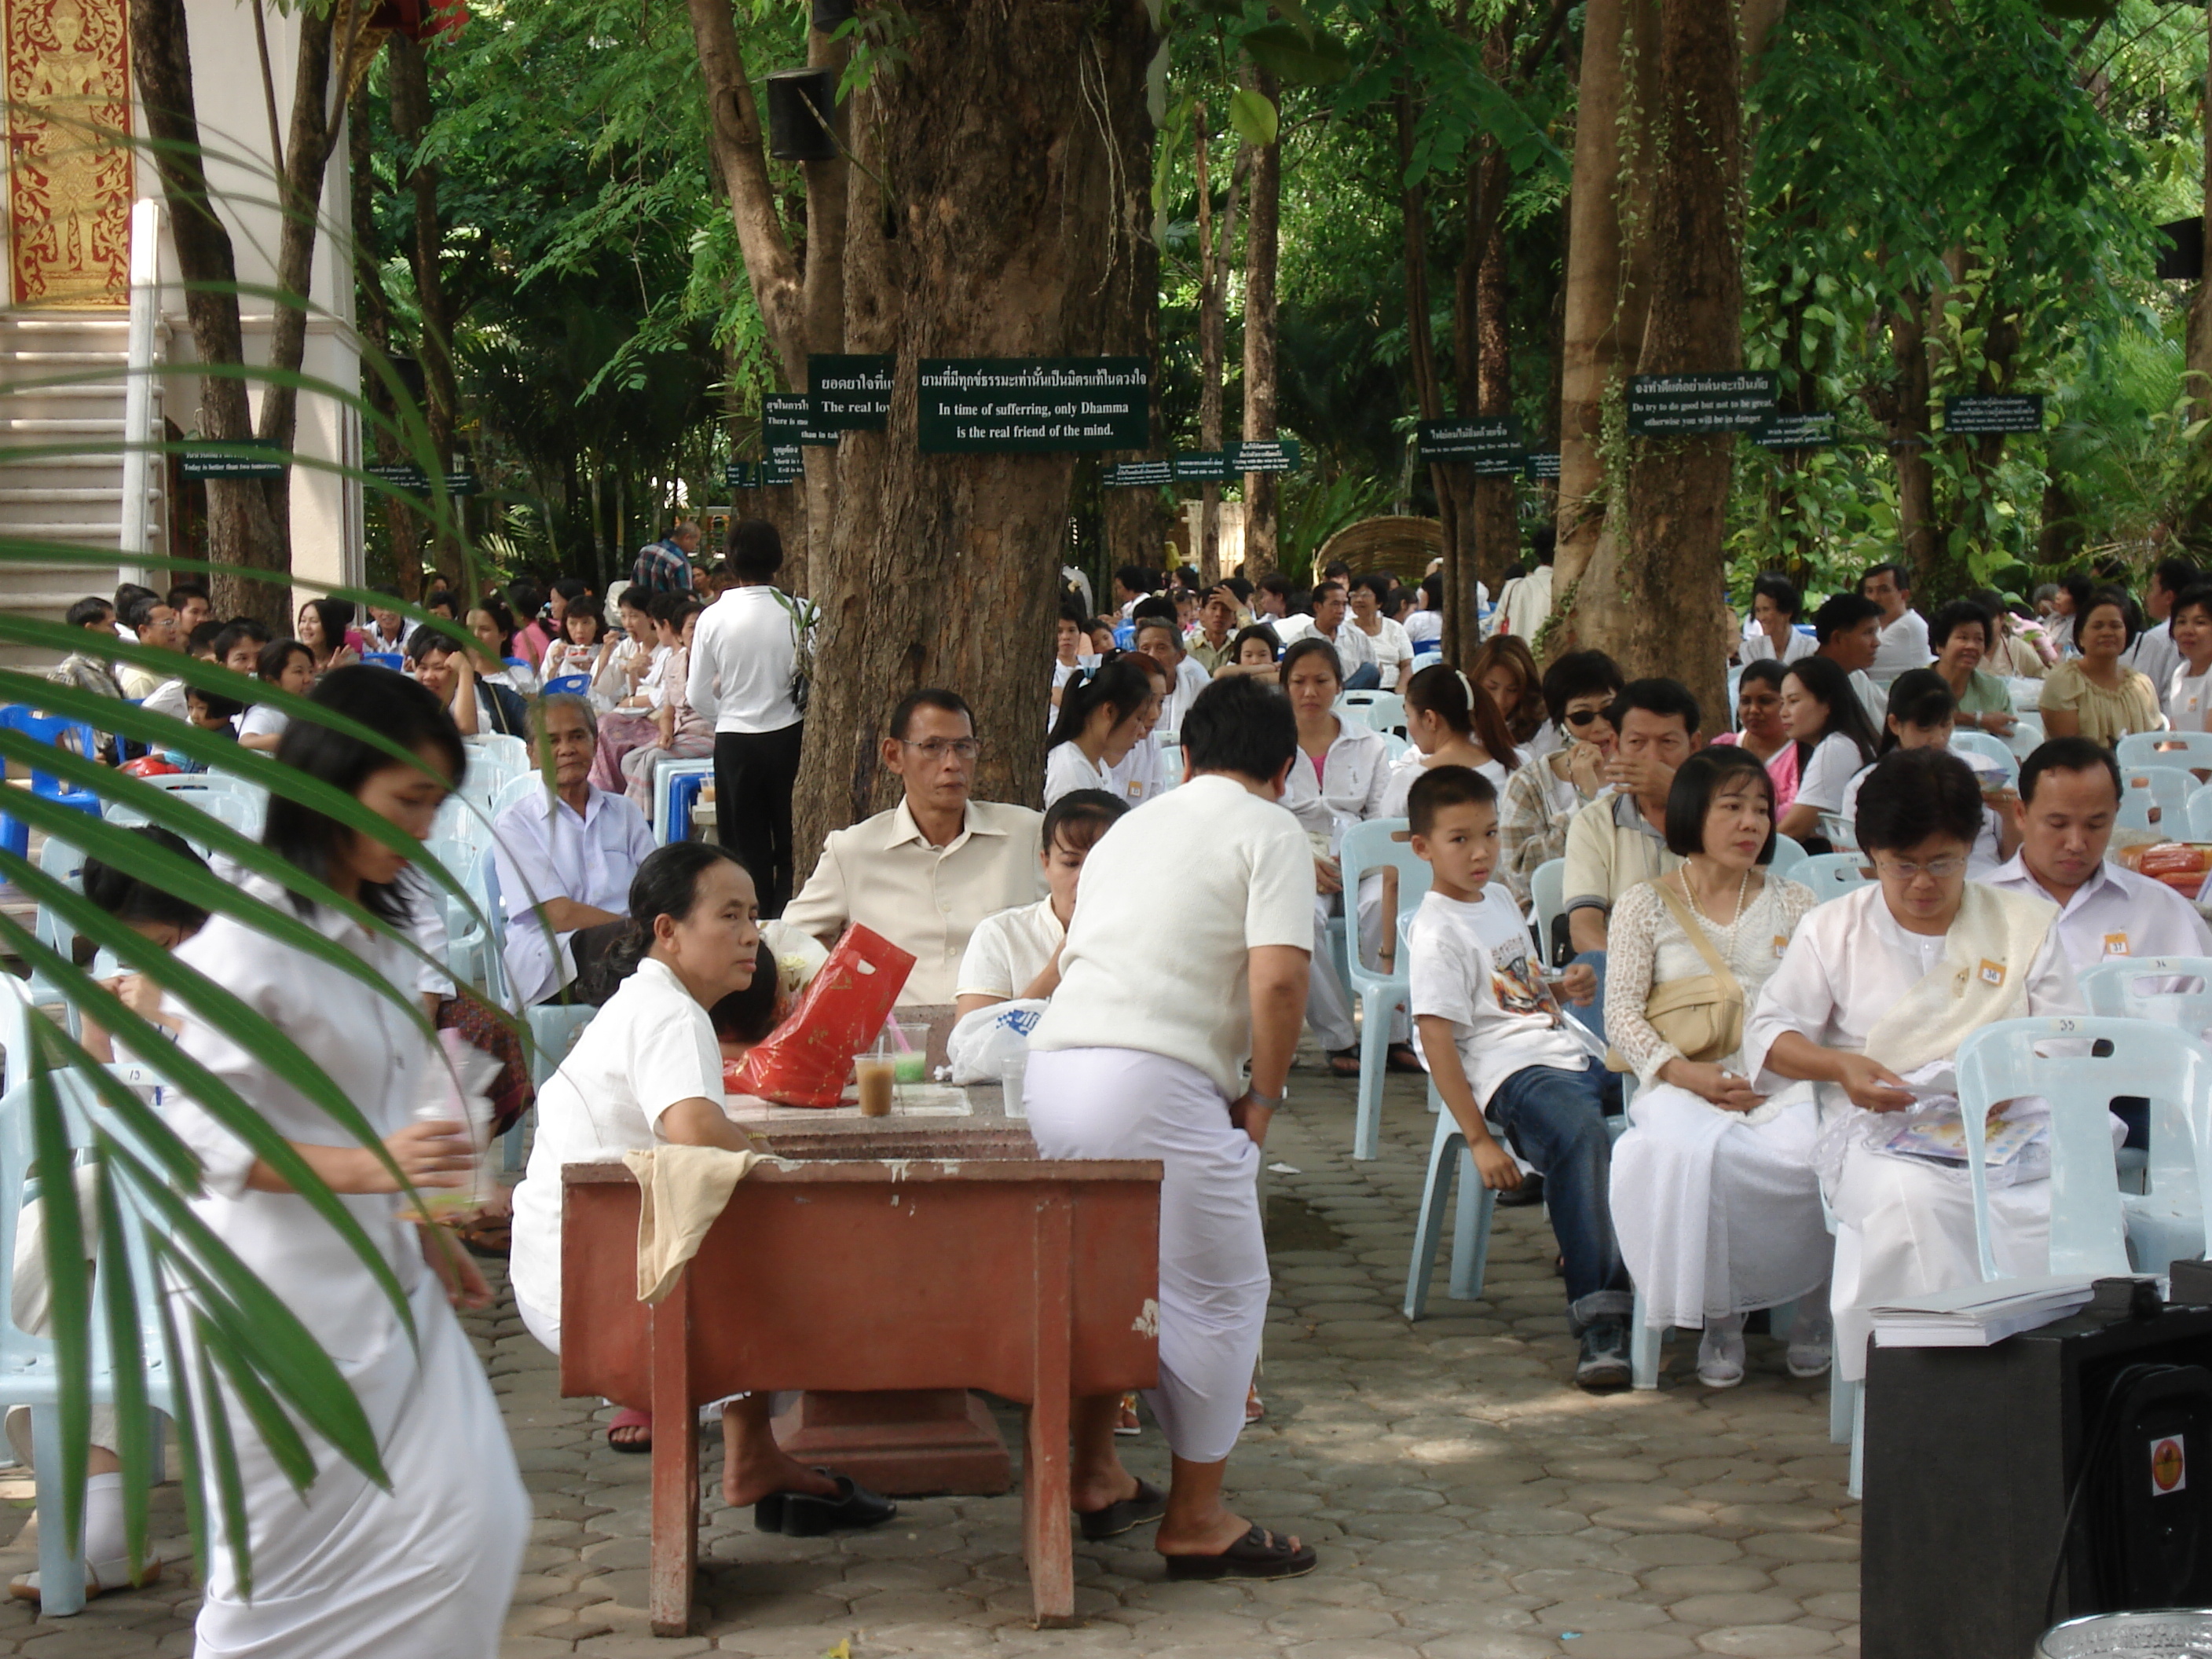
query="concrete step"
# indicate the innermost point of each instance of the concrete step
(63, 497)
(36, 427)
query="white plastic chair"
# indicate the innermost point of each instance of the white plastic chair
(2105, 1058)
(553, 1029)
(1788, 856)
(1375, 846)
(495, 750)
(16, 1013)
(2027, 736)
(29, 1373)
(1379, 711)
(1832, 875)
(664, 789)
(1397, 745)
(2189, 751)
(529, 786)
(1842, 834)
(1477, 1206)
(1547, 897)
(240, 811)
(2166, 788)
(1995, 749)
(2199, 809)
(2174, 991)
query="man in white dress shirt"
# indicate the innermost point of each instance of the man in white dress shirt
(1903, 632)
(2154, 654)
(1332, 621)
(565, 865)
(1849, 629)
(1160, 639)
(924, 873)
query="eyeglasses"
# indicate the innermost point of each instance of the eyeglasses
(936, 748)
(1940, 869)
(1582, 717)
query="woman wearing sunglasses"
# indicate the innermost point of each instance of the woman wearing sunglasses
(1908, 968)
(1546, 791)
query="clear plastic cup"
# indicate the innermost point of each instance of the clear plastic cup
(1013, 1077)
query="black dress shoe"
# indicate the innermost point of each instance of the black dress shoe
(1530, 1191)
(803, 1514)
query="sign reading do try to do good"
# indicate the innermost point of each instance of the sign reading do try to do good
(2019, 411)
(848, 393)
(985, 405)
(1491, 442)
(1691, 405)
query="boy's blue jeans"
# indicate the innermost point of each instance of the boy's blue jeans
(1557, 1121)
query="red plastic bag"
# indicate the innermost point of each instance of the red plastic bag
(805, 1060)
(148, 766)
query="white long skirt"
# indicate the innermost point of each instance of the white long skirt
(1905, 1229)
(1716, 1216)
(1121, 1102)
(1328, 1005)
(348, 1571)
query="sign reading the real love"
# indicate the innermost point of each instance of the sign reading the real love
(848, 393)
(1138, 475)
(2020, 411)
(984, 405)
(1264, 455)
(1691, 405)
(1492, 443)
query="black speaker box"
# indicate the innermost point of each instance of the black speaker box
(1970, 1460)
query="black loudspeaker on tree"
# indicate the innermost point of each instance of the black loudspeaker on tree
(802, 109)
(2064, 1471)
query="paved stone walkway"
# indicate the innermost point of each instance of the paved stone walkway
(1467, 1502)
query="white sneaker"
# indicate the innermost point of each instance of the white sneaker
(1720, 1352)
(1811, 1347)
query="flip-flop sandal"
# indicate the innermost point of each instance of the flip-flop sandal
(804, 1515)
(1148, 1503)
(488, 1236)
(1127, 1423)
(1344, 1062)
(1258, 1553)
(1402, 1061)
(99, 1578)
(627, 1418)
(1254, 1408)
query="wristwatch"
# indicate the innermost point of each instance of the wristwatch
(1271, 1102)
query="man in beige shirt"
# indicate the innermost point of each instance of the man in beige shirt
(924, 873)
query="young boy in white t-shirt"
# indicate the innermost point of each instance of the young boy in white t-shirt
(1495, 1041)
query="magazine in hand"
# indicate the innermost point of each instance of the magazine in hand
(1935, 1130)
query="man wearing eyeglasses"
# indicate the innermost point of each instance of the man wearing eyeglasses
(924, 873)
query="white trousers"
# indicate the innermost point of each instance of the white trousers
(1716, 1216)
(1905, 1229)
(1121, 1102)
(1328, 1006)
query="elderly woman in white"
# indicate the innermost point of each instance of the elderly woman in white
(648, 1072)
(1714, 1201)
(349, 1570)
(1906, 969)
(1341, 772)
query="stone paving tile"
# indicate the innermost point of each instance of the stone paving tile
(1468, 1503)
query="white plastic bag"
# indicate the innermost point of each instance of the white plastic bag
(980, 1041)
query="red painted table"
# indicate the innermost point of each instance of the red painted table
(1033, 1279)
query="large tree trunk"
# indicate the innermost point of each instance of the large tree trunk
(1606, 292)
(1215, 239)
(1677, 488)
(1902, 407)
(410, 77)
(1493, 529)
(1006, 193)
(372, 312)
(1138, 522)
(2198, 359)
(241, 531)
(803, 305)
(1262, 240)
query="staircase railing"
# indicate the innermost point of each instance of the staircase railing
(135, 540)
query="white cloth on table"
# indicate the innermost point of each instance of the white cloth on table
(1904, 1227)
(1716, 1213)
(1127, 1104)
(652, 1047)
(348, 1571)
(1175, 981)
(546, 849)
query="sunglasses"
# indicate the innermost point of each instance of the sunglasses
(1581, 717)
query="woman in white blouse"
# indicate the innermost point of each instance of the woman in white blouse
(1341, 776)
(1714, 1200)
(1827, 723)
(648, 1072)
(351, 1568)
(1773, 635)
(1923, 715)
(587, 647)
(1102, 715)
(1875, 994)
(1449, 723)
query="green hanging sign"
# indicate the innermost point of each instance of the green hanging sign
(1038, 405)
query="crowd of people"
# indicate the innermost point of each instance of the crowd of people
(1759, 1044)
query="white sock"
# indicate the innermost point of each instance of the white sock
(103, 1518)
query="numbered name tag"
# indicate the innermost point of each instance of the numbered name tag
(2116, 945)
(1990, 973)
